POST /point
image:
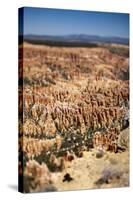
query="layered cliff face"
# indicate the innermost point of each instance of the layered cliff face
(73, 99)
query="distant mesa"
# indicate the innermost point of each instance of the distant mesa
(75, 39)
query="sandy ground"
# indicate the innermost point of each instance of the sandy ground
(110, 170)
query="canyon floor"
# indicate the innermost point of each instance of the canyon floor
(73, 100)
(112, 170)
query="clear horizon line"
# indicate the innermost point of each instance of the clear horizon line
(112, 36)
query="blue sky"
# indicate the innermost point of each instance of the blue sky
(43, 21)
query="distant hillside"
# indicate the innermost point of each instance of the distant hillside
(74, 40)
